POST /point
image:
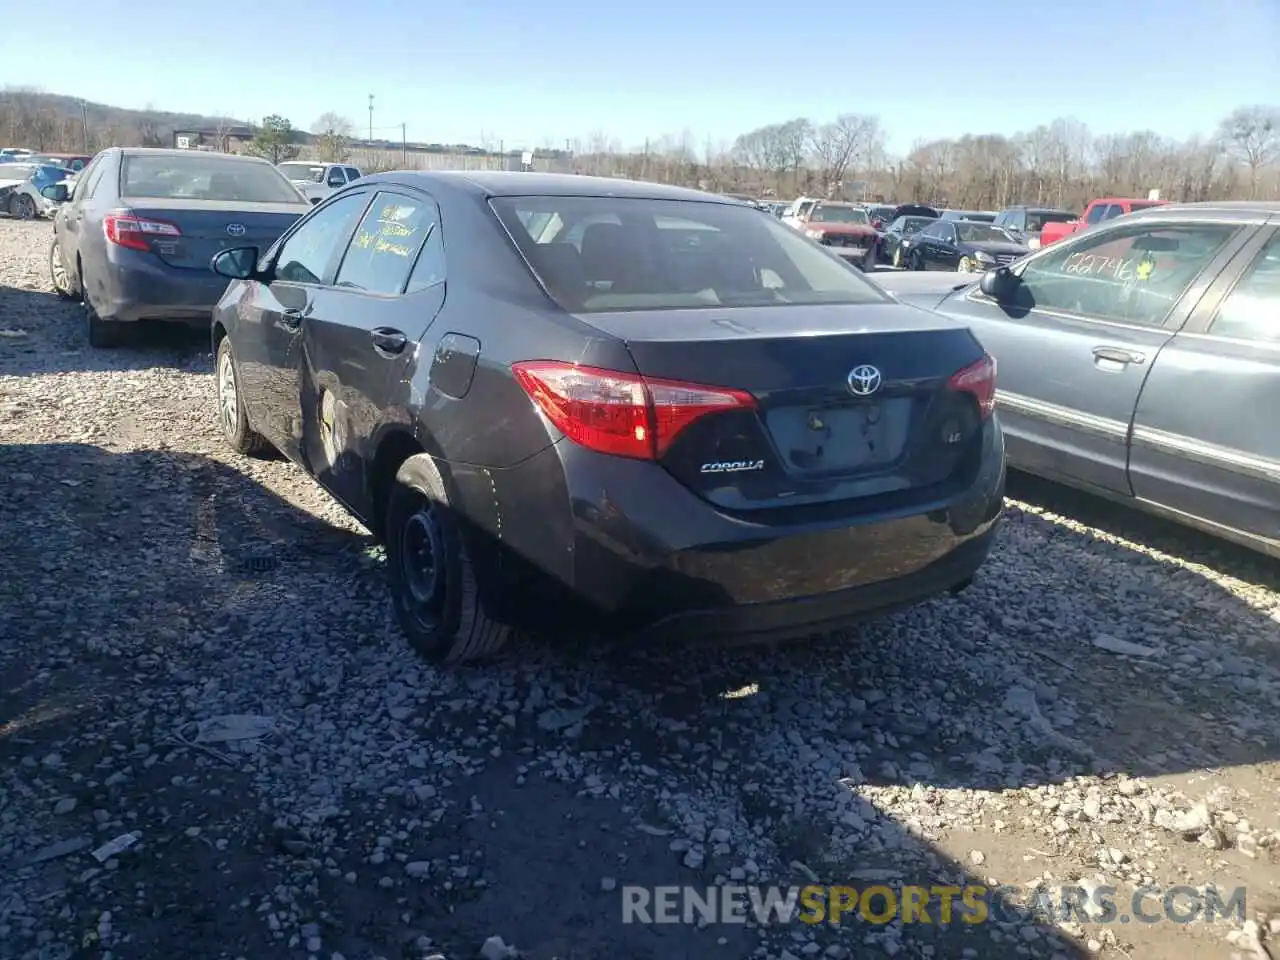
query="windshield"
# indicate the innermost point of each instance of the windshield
(608, 254)
(203, 177)
(1037, 220)
(915, 224)
(981, 233)
(302, 171)
(829, 214)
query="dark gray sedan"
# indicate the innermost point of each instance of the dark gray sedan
(1140, 360)
(134, 238)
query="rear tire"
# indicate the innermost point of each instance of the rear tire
(58, 275)
(232, 415)
(103, 334)
(431, 578)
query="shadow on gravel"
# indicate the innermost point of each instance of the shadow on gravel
(140, 588)
(41, 333)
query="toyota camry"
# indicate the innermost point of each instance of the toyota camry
(565, 401)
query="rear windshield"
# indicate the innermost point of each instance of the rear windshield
(605, 254)
(302, 171)
(981, 233)
(207, 177)
(829, 214)
(1037, 220)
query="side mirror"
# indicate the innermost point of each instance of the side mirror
(998, 284)
(57, 192)
(336, 181)
(238, 263)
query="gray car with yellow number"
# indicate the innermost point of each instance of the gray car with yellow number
(1140, 360)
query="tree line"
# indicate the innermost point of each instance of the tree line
(1058, 164)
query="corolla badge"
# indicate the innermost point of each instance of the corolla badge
(235, 229)
(732, 466)
(864, 380)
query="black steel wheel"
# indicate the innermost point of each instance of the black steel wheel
(431, 578)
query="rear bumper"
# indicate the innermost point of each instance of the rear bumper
(644, 554)
(139, 286)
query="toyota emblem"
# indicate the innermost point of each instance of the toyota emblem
(235, 229)
(864, 380)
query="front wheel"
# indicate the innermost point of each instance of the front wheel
(897, 257)
(964, 266)
(22, 207)
(432, 580)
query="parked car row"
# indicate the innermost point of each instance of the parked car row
(627, 382)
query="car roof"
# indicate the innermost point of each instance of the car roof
(1257, 210)
(176, 152)
(510, 183)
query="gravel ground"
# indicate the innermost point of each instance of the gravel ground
(1102, 706)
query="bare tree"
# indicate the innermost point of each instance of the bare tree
(333, 137)
(841, 144)
(332, 123)
(1253, 135)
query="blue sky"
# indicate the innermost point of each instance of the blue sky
(538, 73)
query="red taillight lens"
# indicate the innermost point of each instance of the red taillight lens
(136, 233)
(978, 379)
(623, 414)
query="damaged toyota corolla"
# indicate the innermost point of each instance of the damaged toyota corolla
(564, 401)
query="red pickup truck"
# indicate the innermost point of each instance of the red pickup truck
(1108, 208)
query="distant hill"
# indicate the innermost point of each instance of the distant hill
(35, 110)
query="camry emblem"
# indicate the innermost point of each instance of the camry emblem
(235, 229)
(864, 380)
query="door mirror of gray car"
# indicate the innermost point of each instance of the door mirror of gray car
(998, 284)
(238, 263)
(57, 192)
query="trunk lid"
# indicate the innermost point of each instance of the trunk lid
(813, 440)
(204, 225)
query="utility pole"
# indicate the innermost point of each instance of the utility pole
(404, 145)
(371, 118)
(84, 123)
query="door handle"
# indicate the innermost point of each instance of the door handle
(292, 319)
(387, 341)
(1118, 355)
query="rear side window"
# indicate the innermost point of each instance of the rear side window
(1252, 310)
(197, 176)
(382, 252)
(352, 174)
(597, 254)
(92, 176)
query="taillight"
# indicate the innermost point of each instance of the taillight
(136, 233)
(978, 379)
(623, 414)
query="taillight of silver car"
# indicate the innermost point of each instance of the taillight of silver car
(128, 230)
(978, 379)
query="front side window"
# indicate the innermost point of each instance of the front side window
(1097, 213)
(309, 252)
(1129, 274)
(1251, 311)
(382, 252)
(202, 176)
(611, 254)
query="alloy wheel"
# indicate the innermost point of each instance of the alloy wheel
(228, 400)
